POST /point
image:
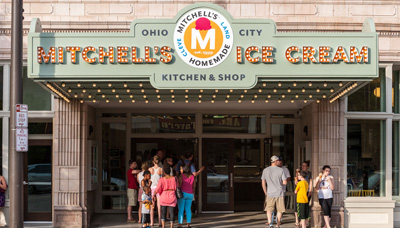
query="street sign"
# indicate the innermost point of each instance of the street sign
(21, 123)
(22, 140)
(21, 115)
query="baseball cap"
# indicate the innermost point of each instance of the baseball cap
(274, 158)
(281, 158)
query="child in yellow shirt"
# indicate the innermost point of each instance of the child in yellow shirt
(303, 208)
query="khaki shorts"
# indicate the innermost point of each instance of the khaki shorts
(272, 202)
(132, 197)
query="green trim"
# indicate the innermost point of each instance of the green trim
(383, 90)
(396, 91)
(396, 159)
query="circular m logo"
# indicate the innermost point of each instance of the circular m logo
(203, 38)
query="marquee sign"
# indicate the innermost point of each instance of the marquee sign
(203, 47)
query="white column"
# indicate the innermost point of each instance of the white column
(388, 129)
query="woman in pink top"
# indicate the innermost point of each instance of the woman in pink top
(166, 187)
(188, 185)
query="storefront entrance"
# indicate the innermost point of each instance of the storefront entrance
(231, 181)
(234, 149)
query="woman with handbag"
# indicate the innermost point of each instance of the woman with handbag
(187, 185)
(166, 187)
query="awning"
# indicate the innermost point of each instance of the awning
(202, 55)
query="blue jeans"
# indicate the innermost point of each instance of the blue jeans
(185, 204)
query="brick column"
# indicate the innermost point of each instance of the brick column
(69, 208)
(328, 149)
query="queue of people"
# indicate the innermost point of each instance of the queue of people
(162, 186)
(274, 180)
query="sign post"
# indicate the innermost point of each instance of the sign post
(21, 114)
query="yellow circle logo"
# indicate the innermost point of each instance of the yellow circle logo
(203, 38)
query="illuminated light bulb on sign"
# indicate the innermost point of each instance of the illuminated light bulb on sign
(245, 90)
(186, 90)
(296, 96)
(90, 95)
(340, 55)
(131, 95)
(279, 84)
(79, 84)
(69, 90)
(128, 90)
(269, 95)
(63, 84)
(264, 84)
(144, 96)
(325, 84)
(99, 90)
(289, 90)
(323, 52)
(103, 95)
(238, 54)
(331, 90)
(288, 54)
(340, 84)
(214, 96)
(140, 84)
(125, 85)
(212, 101)
(324, 96)
(239, 101)
(120, 100)
(109, 84)
(310, 96)
(310, 84)
(116, 95)
(358, 57)
(303, 90)
(318, 90)
(266, 101)
(94, 100)
(241, 95)
(133, 101)
(255, 95)
(85, 55)
(113, 90)
(275, 90)
(83, 90)
(75, 95)
(292, 101)
(216, 91)
(283, 95)
(107, 100)
(248, 54)
(318, 101)
(146, 101)
(279, 100)
(308, 53)
(81, 101)
(294, 84)
(252, 101)
(173, 100)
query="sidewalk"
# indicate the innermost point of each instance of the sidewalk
(240, 219)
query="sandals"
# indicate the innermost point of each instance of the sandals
(297, 224)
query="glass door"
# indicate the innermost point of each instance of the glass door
(38, 181)
(218, 190)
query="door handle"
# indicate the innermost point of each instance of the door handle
(231, 177)
(25, 183)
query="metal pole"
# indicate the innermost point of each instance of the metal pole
(16, 158)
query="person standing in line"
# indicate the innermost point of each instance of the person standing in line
(304, 167)
(325, 186)
(140, 176)
(280, 163)
(147, 204)
(188, 160)
(273, 178)
(303, 208)
(132, 191)
(166, 187)
(188, 185)
(156, 172)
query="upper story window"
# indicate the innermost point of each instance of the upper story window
(369, 97)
